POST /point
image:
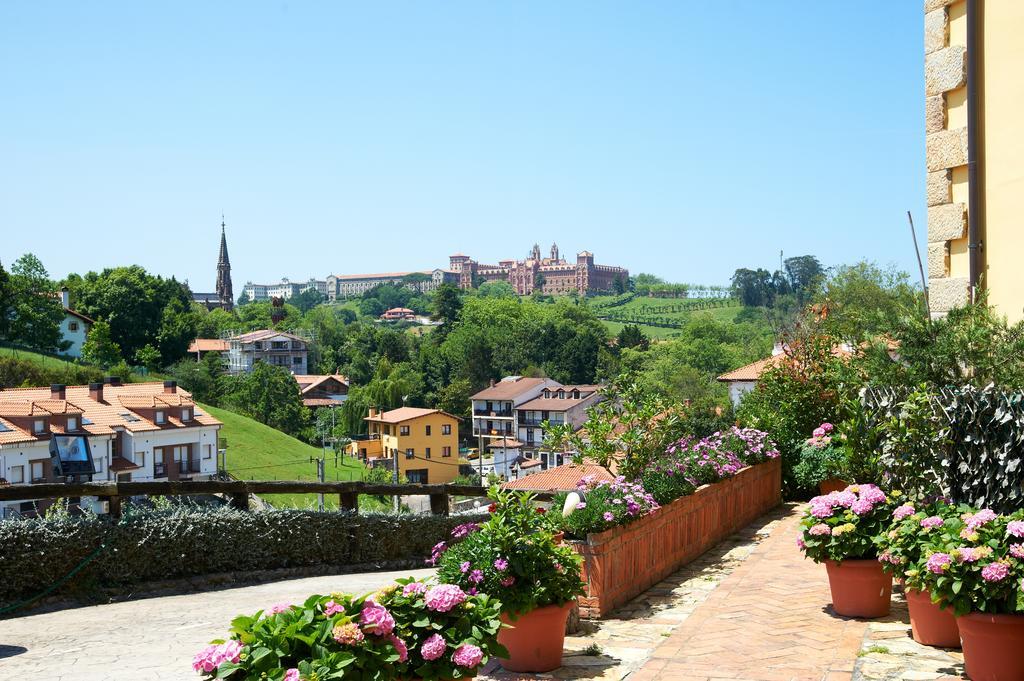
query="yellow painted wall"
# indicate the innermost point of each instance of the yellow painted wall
(440, 469)
(1002, 169)
(959, 261)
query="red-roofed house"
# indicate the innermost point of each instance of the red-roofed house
(560, 478)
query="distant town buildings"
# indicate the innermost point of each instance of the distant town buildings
(352, 285)
(273, 347)
(284, 289)
(103, 431)
(75, 326)
(224, 296)
(553, 275)
(421, 444)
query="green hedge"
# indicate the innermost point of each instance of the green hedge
(153, 545)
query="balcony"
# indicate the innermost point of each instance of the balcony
(495, 413)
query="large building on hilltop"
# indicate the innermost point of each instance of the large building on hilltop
(553, 275)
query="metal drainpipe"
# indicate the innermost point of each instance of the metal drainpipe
(975, 217)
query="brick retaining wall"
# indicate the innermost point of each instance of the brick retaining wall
(623, 562)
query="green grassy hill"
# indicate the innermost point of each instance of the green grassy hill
(45, 361)
(654, 309)
(67, 370)
(258, 452)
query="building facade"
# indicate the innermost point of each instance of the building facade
(103, 431)
(75, 326)
(974, 151)
(495, 412)
(340, 286)
(322, 390)
(552, 275)
(273, 347)
(423, 444)
(558, 405)
(284, 289)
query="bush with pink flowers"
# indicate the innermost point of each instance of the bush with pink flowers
(448, 633)
(847, 524)
(604, 504)
(324, 637)
(915, 528)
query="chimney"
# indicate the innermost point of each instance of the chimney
(170, 387)
(96, 392)
(492, 382)
(65, 297)
(57, 391)
(112, 381)
(778, 349)
(373, 412)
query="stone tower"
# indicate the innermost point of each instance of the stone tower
(554, 252)
(225, 295)
(535, 252)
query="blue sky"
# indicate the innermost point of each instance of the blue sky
(681, 138)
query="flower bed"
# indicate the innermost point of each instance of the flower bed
(624, 561)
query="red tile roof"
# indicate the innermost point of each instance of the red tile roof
(405, 414)
(750, 372)
(560, 478)
(509, 389)
(208, 345)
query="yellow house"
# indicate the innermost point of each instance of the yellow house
(974, 147)
(424, 442)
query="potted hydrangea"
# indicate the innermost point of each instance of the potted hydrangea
(514, 557)
(325, 637)
(446, 632)
(979, 572)
(822, 464)
(905, 549)
(842, 529)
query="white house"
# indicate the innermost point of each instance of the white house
(74, 327)
(103, 431)
(273, 347)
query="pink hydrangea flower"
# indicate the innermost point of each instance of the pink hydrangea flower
(278, 608)
(862, 507)
(981, 517)
(904, 511)
(331, 608)
(444, 597)
(213, 656)
(348, 634)
(995, 572)
(800, 543)
(1017, 550)
(1015, 528)
(400, 647)
(939, 562)
(414, 588)
(844, 498)
(292, 675)
(931, 521)
(968, 554)
(376, 619)
(871, 494)
(433, 647)
(819, 530)
(467, 655)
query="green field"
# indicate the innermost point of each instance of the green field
(54, 363)
(258, 452)
(635, 306)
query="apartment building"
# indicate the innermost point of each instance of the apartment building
(494, 407)
(422, 443)
(558, 404)
(353, 285)
(267, 345)
(284, 289)
(102, 431)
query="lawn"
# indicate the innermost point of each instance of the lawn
(259, 452)
(45, 361)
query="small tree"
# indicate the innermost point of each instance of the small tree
(149, 357)
(99, 347)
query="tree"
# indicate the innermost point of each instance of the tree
(496, 289)
(202, 378)
(447, 305)
(243, 299)
(752, 287)
(100, 348)
(644, 279)
(619, 285)
(270, 395)
(862, 301)
(37, 313)
(149, 357)
(308, 299)
(538, 282)
(177, 329)
(803, 273)
(630, 336)
(6, 302)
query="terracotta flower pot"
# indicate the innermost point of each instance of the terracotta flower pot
(832, 485)
(558, 537)
(860, 588)
(930, 624)
(535, 640)
(992, 646)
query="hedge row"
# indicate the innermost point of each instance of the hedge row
(156, 545)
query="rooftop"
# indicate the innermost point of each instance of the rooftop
(405, 414)
(560, 478)
(208, 345)
(510, 387)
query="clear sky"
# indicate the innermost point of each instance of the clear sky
(681, 138)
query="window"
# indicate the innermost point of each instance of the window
(37, 471)
(417, 476)
(446, 451)
(72, 423)
(428, 430)
(38, 426)
(72, 326)
(410, 453)
(124, 477)
(297, 359)
(17, 474)
(529, 435)
(161, 417)
(186, 415)
(259, 345)
(98, 464)
(403, 430)
(427, 453)
(446, 429)
(207, 452)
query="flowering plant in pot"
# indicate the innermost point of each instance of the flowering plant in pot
(446, 633)
(822, 464)
(842, 530)
(905, 548)
(513, 557)
(601, 504)
(979, 573)
(325, 637)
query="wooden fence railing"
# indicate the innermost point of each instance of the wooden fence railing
(238, 492)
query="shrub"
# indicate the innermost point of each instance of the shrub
(909, 540)
(820, 459)
(604, 505)
(848, 524)
(148, 545)
(513, 557)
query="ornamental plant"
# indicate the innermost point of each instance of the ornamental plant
(604, 505)
(847, 524)
(980, 567)
(325, 637)
(820, 459)
(690, 462)
(447, 633)
(915, 528)
(513, 557)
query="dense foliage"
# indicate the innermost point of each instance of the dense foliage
(602, 505)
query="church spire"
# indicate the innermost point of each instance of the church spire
(225, 295)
